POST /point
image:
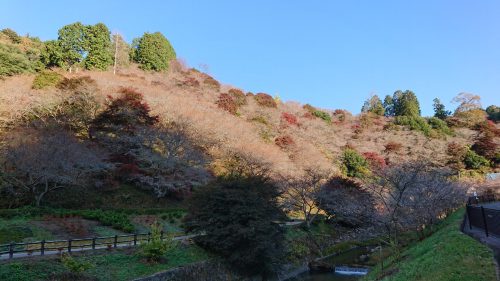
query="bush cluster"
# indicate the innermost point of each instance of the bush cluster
(212, 83)
(46, 79)
(238, 96)
(354, 164)
(265, 100)
(317, 113)
(375, 160)
(472, 160)
(416, 123)
(290, 118)
(226, 102)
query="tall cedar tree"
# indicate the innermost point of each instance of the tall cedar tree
(97, 44)
(439, 110)
(238, 216)
(406, 104)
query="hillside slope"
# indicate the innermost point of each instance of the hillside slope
(188, 97)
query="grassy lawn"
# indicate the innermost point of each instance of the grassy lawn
(117, 265)
(447, 255)
(20, 229)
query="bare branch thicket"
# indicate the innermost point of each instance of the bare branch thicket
(414, 195)
(37, 162)
(303, 193)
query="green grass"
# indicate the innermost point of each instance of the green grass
(21, 230)
(447, 255)
(118, 265)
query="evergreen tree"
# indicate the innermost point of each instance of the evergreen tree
(406, 104)
(97, 44)
(72, 42)
(154, 52)
(388, 106)
(373, 105)
(439, 110)
(238, 217)
(493, 112)
(52, 54)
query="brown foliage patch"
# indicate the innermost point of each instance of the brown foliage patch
(265, 100)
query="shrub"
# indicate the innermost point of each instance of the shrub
(260, 119)
(290, 118)
(157, 247)
(284, 141)
(322, 115)
(457, 153)
(74, 84)
(416, 123)
(440, 125)
(474, 161)
(238, 96)
(73, 265)
(309, 108)
(393, 146)
(212, 83)
(265, 100)
(227, 103)
(12, 35)
(353, 164)
(46, 79)
(375, 160)
(13, 61)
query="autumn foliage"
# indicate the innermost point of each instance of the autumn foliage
(265, 100)
(289, 118)
(227, 103)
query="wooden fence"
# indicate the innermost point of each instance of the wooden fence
(73, 245)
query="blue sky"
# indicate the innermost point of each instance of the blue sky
(332, 54)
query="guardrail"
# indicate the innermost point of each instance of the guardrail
(44, 247)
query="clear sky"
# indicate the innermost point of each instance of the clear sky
(332, 54)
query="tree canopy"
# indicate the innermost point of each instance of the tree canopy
(153, 52)
(238, 216)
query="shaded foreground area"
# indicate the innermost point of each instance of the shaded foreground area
(446, 255)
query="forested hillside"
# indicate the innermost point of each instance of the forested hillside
(174, 127)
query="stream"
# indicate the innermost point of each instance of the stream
(349, 258)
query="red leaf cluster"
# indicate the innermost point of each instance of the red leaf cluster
(227, 103)
(290, 118)
(376, 161)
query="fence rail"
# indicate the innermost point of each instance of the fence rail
(59, 246)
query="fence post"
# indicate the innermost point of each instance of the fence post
(69, 246)
(116, 241)
(42, 247)
(149, 237)
(484, 220)
(11, 250)
(93, 243)
(135, 239)
(467, 208)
